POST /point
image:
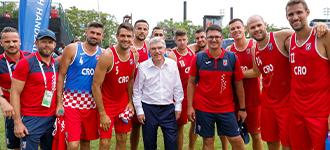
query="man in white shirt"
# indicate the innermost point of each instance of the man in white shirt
(157, 83)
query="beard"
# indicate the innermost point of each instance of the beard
(259, 39)
(45, 53)
(11, 52)
(141, 38)
(201, 46)
(92, 42)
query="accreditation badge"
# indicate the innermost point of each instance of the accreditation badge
(47, 99)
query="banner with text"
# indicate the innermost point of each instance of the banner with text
(33, 16)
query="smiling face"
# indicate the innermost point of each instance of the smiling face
(297, 14)
(237, 30)
(200, 39)
(124, 38)
(257, 28)
(10, 42)
(214, 39)
(157, 51)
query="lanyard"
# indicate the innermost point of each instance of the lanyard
(8, 66)
(44, 76)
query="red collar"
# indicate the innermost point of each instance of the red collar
(21, 55)
(52, 60)
(210, 56)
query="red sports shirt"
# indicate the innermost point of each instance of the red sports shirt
(275, 69)
(115, 84)
(214, 84)
(183, 63)
(310, 78)
(5, 80)
(28, 70)
(143, 53)
(251, 85)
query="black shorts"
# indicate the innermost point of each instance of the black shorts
(226, 124)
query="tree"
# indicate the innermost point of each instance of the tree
(273, 28)
(80, 18)
(170, 27)
(10, 7)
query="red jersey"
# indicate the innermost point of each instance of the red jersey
(251, 85)
(143, 53)
(7, 66)
(29, 71)
(115, 84)
(275, 69)
(310, 78)
(214, 79)
(183, 63)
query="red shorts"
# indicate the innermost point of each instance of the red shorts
(308, 133)
(184, 116)
(274, 125)
(253, 119)
(120, 127)
(81, 124)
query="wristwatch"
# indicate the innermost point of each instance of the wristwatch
(242, 109)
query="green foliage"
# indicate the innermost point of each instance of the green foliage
(225, 32)
(170, 27)
(272, 28)
(10, 7)
(80, 18)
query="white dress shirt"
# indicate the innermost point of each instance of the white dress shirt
(157, 86)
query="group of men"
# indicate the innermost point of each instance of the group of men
(138, 82)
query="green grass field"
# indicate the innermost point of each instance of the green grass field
(94, 144)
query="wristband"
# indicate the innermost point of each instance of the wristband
(242, 109)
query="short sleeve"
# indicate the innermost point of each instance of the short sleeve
(21, 70)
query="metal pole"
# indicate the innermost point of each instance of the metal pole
(98, 10)
(184, 10)
(231, 13)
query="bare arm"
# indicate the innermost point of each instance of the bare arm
(7, 109)
(192, 47)
(172, 56)
(104, 63)
(241, 100)
(254, 72)
(282, 40)
(15, 93)
(66, 59)
(190, 95)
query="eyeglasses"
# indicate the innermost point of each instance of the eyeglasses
(213, 37)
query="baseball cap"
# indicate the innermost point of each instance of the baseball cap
(243, 131)
(46, 33)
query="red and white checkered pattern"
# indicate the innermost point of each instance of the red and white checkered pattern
(126, 115)
(77, 99)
